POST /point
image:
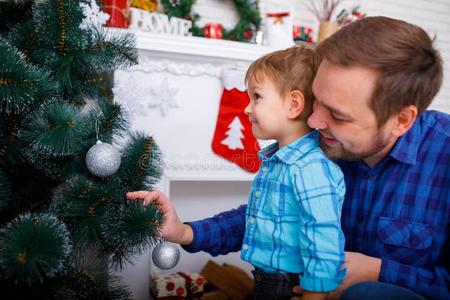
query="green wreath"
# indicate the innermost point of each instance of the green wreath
(247, 9)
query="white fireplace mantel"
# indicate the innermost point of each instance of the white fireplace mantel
(198, 48)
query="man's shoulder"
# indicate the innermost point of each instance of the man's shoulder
(436, 121)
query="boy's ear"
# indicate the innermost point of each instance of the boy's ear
(296, 104)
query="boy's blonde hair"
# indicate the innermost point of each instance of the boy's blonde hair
(290, 69)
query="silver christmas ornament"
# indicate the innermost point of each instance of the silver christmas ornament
(103, 159)
(166, 256)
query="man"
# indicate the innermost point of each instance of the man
(376, 78)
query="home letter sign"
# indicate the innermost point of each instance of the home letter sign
(158, 23)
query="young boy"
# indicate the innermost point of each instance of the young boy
(293, 232)
(293, 215)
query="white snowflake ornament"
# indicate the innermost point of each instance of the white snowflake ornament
(93, 16)
(131, 96)
(163, 97)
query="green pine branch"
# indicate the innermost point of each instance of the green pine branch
(143, 159)
(33, 246)
(129, 230)
(22, 85)
(113, 123)
(58, 130)
(5, 190)
(57, 23)
(13, 12)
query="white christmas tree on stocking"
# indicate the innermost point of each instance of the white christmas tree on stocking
(234, 135)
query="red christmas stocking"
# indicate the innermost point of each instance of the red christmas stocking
(233, 137)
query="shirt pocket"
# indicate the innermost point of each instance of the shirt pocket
(403, 237)
(280, 201)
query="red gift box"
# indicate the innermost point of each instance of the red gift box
(119, 10)
(213, 31)
(181, 285)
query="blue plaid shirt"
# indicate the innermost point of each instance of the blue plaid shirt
(397, 211)
(293, 215)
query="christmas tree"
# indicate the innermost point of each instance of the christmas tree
(62, 227)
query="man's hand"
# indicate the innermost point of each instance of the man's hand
(360, 268)
(172, 230)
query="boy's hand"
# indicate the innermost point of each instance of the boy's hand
(297, 291)
(172, 230)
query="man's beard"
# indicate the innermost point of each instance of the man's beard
(339, 152)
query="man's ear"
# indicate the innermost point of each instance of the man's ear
(404, 120)
(296, 104)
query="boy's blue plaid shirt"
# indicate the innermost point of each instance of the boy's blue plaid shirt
(399, 211)
(293, 215)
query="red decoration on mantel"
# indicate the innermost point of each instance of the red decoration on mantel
(302, 33)
(119, 10)
(213, 31)
(233, 137)
(278, 17)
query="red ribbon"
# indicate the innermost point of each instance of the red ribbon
(278, 17)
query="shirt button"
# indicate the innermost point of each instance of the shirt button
(245, 247)
(252, 220)
(257, 194)
(264, 169)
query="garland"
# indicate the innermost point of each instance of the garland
(247, 9)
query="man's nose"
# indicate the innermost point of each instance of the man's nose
(317, 120)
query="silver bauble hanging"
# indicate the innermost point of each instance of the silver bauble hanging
(166, 255)
(103, 159)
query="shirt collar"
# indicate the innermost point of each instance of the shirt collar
(407, 146)
(292, 152)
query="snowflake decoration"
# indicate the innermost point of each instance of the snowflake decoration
(130, 96)
(93, 16)
(174, 3)
(133, 97)
(163, 97)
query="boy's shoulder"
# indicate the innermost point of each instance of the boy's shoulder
(315, 169)
(305, 155)
(315, 156)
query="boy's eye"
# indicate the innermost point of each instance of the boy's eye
(256, 96)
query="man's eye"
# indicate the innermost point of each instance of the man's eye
(256, 96)
(338, 118)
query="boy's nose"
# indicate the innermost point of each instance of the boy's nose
(248, 109)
